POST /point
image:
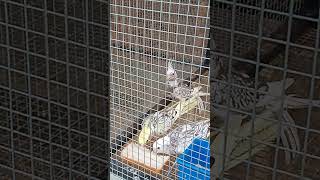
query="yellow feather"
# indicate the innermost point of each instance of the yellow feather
(144, 135)
(186, 106)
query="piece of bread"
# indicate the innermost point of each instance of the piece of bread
(140, 155)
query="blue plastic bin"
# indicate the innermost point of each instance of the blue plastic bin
(194, 162)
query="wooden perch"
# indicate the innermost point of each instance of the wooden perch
(140, 155)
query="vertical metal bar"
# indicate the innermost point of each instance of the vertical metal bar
(88, 85)
(111, 82)
(68, 85)
(29, 82)
(48, 85)
(108, 94)
(123, 45)
(176, 34)
(10, 88)
(311, 96)
(211, 56)
(226, 124)
(274, 173)
(185, 37)
(131, 50)
(207, 57)
(256, 79)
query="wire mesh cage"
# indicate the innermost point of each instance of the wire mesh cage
(147, 36)
(264, 81)
(53, 78)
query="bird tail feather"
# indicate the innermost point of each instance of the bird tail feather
(145, 132)
(292, 132)
(186, 106)
(295, 102)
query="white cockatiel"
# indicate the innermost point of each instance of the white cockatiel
(177, 140)
(182, 91)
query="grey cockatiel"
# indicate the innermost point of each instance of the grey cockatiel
(242, 96)
(265, 130)
(267, 97)
(268, 104)
(159, 123)
(181, 91)
(177, 140)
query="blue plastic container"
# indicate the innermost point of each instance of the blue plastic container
(194, 162)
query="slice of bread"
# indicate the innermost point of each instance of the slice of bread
(140, 155)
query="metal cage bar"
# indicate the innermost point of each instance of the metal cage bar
(54, 81)
(54, 78)
(151, 30)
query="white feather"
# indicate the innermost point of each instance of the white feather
(170, 68)
(296, 102)
(274, 91)
(219, 142)
(294, 131)
(171, 76)
(177, 140)
(286, 145)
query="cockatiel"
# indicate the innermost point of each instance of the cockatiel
(160, 122)
(182, 91)
(236, 145)
(266, 99)
(177, 140)
(242, 96)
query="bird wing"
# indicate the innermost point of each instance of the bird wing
(164, 122)
(186, 106)
(182, 136)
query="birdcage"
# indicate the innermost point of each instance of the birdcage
(258, 59)
(53, 80)
(146, 36)
(265, 61)
(254, 46)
